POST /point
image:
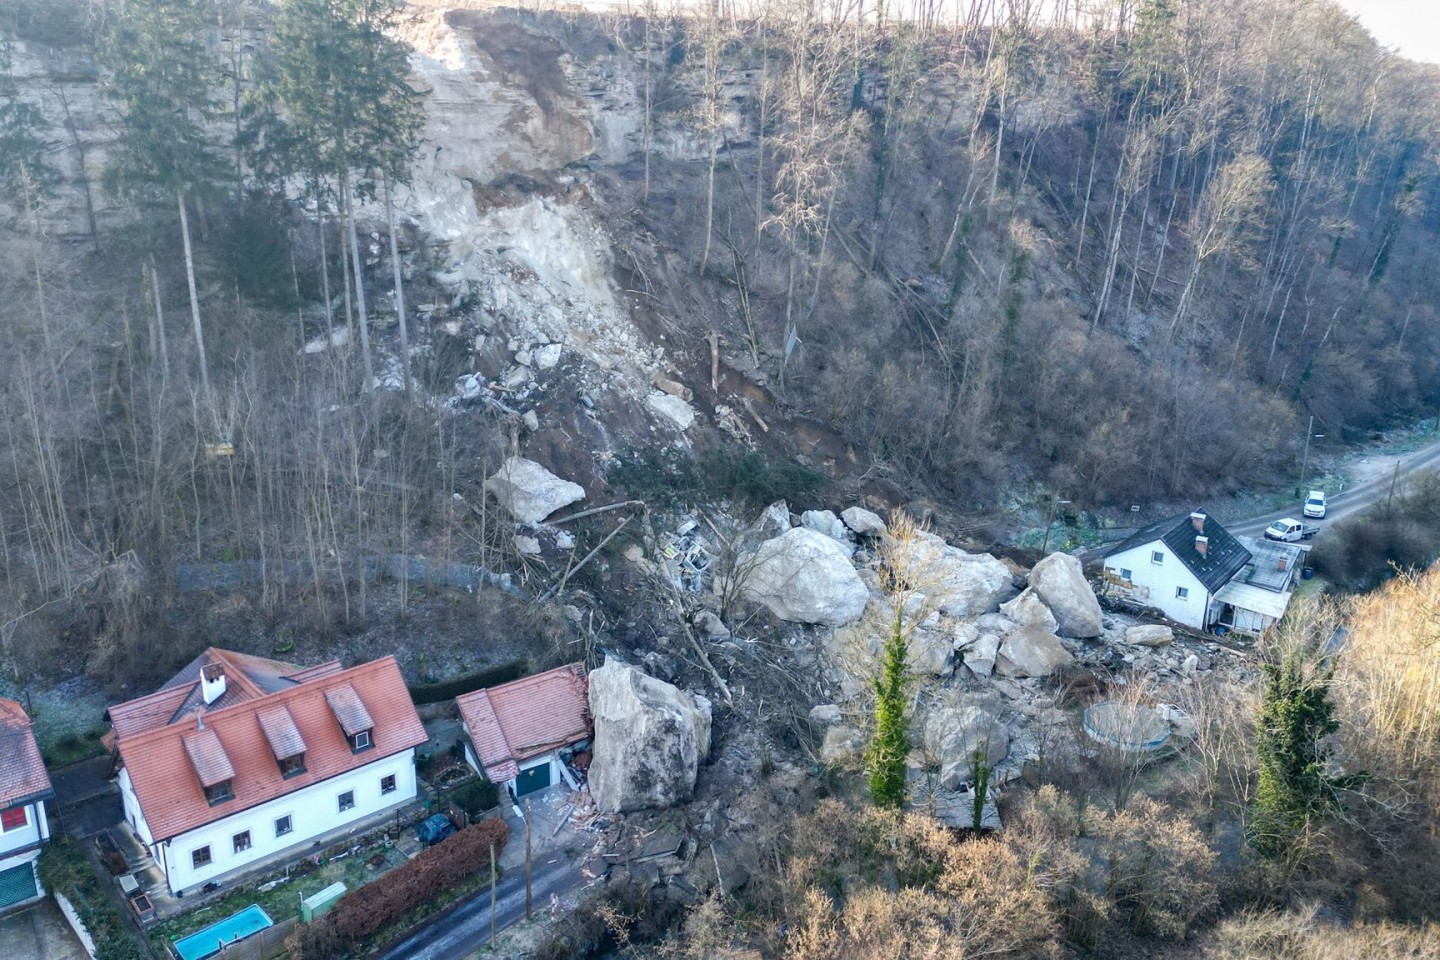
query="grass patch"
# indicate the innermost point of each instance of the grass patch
(282, 902)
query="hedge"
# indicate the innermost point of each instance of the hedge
(64, 869)
(364, 912)
(423, 693)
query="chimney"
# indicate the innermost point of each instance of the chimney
(1282, 564)
(212, 682)
(1197, 520)
(1202, 545)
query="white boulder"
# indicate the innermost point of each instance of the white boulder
(953, 735)
(863, 522)
(825, 714)
(1029, 610)
(1150, 635)
(650, 739)
(823, 521)
(673, 410)
(980, 655)
(804, 577)
(1059, 580)
(1031, 652)
(960, 584)
(529, 492)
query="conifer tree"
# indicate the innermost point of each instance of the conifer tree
(338, 80)
(160, 77)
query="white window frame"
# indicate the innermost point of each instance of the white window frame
(340, 801)
(235, 842)
(394, 784)
(1127, 574)
(1182, 593)
(1157, 557)
(289, 825)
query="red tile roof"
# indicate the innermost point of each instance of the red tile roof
(526, 718)
(247, 677)
(22, 771)
(207, 755)
(280, 730)
(349, 709)
(159, 760)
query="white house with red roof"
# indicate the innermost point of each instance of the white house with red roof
(239, 759)
(24, 788)
(520, 731)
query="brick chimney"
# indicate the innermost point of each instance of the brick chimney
(1197, 520)
(1282, 564)
(1202, 545)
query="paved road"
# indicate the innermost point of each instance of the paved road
(463, 929)
(1353, 500)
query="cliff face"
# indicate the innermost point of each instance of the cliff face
(63, 83)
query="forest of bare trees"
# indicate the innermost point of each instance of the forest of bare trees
(1118, 249)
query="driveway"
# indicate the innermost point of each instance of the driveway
(39, 933)
(86, 802)
(465, 927)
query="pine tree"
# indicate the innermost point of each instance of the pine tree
(160, 77)
(890, 744)
(1296, 717)
(342, 105)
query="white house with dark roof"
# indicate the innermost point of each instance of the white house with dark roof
(520, 732)
(1178, 565)
(240, 759)
(1192, 569)
(24, 788)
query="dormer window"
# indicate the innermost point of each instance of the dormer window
(219, 793)
(292, 766)
(354, 719)
(284, 738)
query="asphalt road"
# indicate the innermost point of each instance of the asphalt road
(1341, 505)
(465, 928)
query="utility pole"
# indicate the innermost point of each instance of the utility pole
(527, 858)
(1300, 487)
(492, 890)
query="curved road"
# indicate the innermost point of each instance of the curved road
(1352, 500)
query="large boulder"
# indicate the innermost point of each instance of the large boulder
(1028, 609)
(823, 521)
(954, 734)
(980, 655)
(1030, 651)
(1150, 635)
(650, 739)
(529, 492)
(1059, 580)
(931, 649)
(805, 577)
(959, 584)
(864, 522)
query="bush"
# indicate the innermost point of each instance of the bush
(450, 689)
(366, 911)
(475, 796)
(65, 870)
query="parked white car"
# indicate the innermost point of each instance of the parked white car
(1315, 505)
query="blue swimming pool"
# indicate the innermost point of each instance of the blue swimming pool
(213, 938)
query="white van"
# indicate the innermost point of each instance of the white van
(1315, 505)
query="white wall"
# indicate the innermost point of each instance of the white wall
(1162, 580)
(313, 811)
(36, 829)
(133, 814)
